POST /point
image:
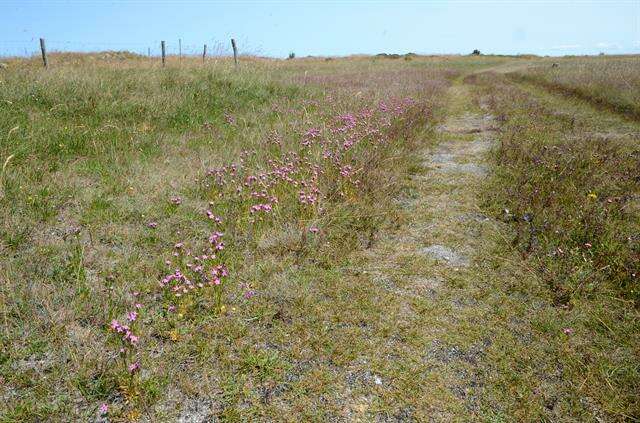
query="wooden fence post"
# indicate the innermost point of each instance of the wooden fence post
(235, 51)
(44, 52)
(204, 53)
(163, 52)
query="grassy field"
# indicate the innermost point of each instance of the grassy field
(174, 241)
(566, 180)
(608, 81)
(124, 174)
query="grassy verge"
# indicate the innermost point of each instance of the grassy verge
(566, 181)
(171, 236)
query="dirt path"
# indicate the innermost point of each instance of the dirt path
(441, 305)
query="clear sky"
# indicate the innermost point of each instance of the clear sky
(274, 28)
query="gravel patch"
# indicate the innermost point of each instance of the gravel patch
(197, 410)
(473, 217)
(440, 252)
(472, 168)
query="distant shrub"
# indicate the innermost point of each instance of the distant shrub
(292, 55)
(476, 52)
(388, 56)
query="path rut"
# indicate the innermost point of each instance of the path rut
(430, 265)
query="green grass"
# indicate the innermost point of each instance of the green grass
(567, 174)
(101, 148)
(101, 144)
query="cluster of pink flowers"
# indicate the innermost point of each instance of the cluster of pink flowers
(266, 207)
(128, 336)
(310, 135)
(195, 267)
(129, 340)
(229, 119)
(179, 283)
(213, 217)
(307, 178)
(216, 241)
(348, 122)
(217, 273)
(345, 171)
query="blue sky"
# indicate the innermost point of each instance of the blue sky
(274, 28)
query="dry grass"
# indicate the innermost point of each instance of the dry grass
(612, 82)
(567, 183)
(101, 146)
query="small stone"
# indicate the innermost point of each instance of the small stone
(440, 252)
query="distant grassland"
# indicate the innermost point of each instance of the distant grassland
(612, 82)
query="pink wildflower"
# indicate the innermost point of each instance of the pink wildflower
(152, 225)
(229, 119)
(104, 409)
(345, 171)
(134, 367)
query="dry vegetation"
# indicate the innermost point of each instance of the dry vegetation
(566, 180)
(120, 167)
(177, 242)
(612, 82)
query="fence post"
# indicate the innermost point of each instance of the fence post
(235, 51)
(204, 53)
(163, 53)
(44, 52)
(180, 48)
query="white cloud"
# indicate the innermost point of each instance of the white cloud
(566, 47)
(607, 45)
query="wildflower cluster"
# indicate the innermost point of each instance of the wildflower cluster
(128, 337)
(330, 158)
(330, 162)
(195, 271)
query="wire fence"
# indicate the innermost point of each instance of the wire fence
(215, 48)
